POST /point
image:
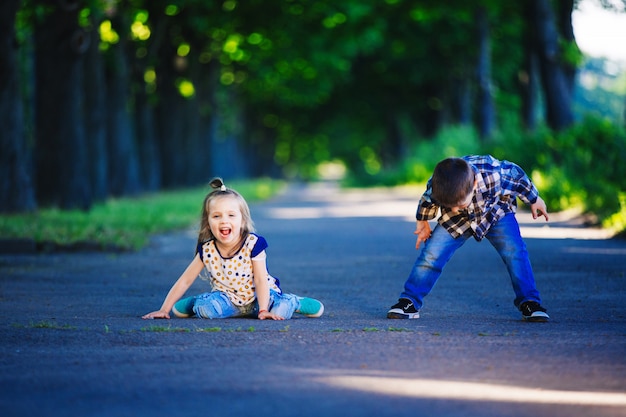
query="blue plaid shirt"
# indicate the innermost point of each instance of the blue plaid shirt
(499, 183)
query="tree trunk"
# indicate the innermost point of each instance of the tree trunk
(200, 162)
(228, 124)
(96, 117)
(170, 121)
(566, 31)
(461, 100)
(16, 188)
(145, 107)
(527, 78)
(554, 83)
(150, 166)
(122, 148)
(485, 106)
(62, 175)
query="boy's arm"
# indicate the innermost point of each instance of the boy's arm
(422, 230)
(519, 182)
(538, 208)
(426, 210)
(516, 182)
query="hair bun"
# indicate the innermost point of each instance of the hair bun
(218, 184)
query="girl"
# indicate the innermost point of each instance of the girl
(235, 259)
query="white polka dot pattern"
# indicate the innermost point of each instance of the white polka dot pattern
(233, 276)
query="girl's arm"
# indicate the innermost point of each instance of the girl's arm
(178, 289)
(262, 289)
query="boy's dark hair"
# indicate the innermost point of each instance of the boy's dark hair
(452, 182)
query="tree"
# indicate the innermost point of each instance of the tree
(16, 187)
(61, 152)
(122, 151)
(545, 42)
(485, 106)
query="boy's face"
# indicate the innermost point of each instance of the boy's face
(465, 203)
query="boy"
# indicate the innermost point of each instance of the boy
(477, 197)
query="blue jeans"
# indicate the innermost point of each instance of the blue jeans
(506, 239)
(217, 305)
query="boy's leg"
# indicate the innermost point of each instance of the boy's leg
(215, 305)
(436, 253)
(506, 238)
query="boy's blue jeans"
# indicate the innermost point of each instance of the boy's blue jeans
(438, 249)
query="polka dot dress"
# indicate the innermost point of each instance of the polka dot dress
(233, 276)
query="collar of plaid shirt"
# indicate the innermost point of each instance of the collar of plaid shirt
(497, 185)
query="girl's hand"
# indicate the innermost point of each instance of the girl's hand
(422, 230)
(156, 315)
(264, 314)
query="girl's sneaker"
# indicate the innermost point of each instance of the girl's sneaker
(184, 307)
(310, 307)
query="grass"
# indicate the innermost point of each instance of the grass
(45, 325)
(165, 329)
(125, 223)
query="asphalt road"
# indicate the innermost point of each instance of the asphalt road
(72, 342)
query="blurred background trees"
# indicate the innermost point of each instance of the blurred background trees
(102, 98)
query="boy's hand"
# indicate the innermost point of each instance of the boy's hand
(422, 230)
(538, 209)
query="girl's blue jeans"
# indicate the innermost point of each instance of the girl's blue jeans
(438, 249)
(217, 305)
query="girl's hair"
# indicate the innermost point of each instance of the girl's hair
(219, 191)
(452, 182)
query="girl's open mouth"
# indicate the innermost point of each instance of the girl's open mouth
(225, 232)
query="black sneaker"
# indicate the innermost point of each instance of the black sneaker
(532, 311)
(403, 309)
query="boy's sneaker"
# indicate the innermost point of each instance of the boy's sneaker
(403, 309)
(184, 307)
(310, 307)
(532, 311)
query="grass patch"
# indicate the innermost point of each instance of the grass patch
(398, 329)
(165, 329)
(125, 223)
(46, 325)
(209, 329)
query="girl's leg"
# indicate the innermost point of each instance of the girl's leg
(214, 305)
(428, 266)
(506, 238)
(184, 307)
(283, 304)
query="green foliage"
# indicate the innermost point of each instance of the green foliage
(123, 223)
(581, 166)
(418, 166)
